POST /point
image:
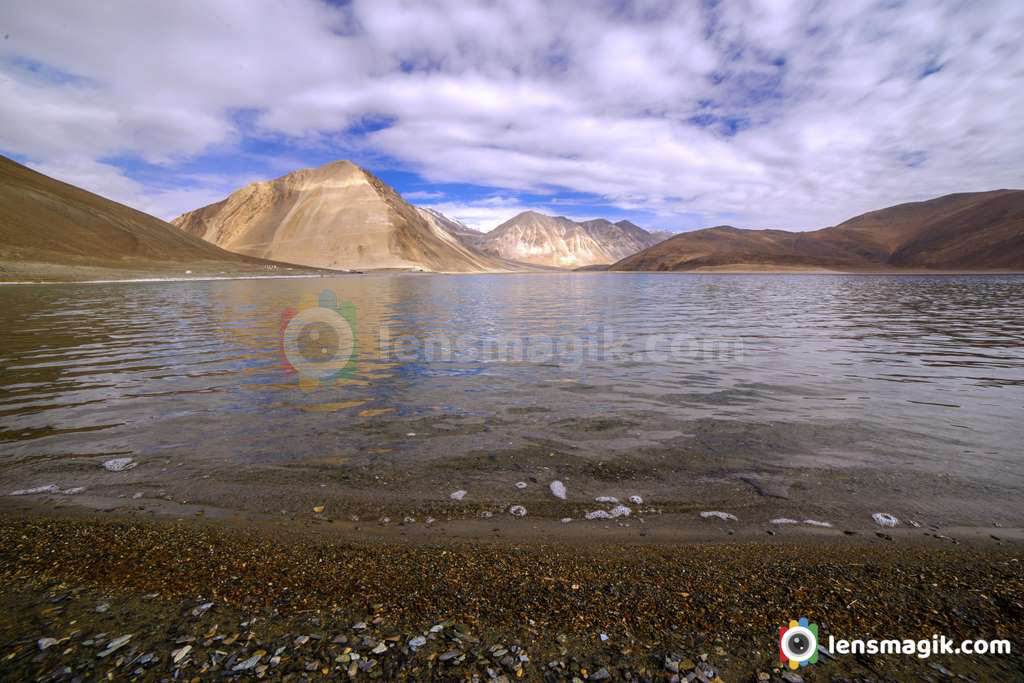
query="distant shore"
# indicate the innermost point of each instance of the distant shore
(90, 276)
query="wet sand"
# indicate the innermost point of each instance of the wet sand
(722, 599)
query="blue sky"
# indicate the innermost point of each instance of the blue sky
(674, 115)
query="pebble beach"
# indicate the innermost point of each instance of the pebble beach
(93, 597)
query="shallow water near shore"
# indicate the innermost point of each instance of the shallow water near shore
(820, 395)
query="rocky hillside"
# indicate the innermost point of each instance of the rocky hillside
(53, 230)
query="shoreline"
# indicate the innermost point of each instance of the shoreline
(631, 609)
(437, 522)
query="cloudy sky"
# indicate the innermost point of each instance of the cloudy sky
(677, 115)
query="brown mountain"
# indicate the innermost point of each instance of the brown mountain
(559, 242)
(53, 230)
(334, 216)
(971, 231)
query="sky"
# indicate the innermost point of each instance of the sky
(675, 115)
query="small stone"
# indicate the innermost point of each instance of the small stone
(606, 499)
(178, 655)
(417, 642)
(102, 608)
(600, 675)
(249, 663)
(885, 519)
(636, 500)
(517, 511)
(318, 509)
(302, 640)
(558, 489)
(202, 609)
(380, 649)
(138, 495)
(448, 656)
(115, 644)
(521, 485)
(725, 516)
(45, 643)
(790, 677)
(458, 495)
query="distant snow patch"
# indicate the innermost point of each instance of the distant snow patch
(458, 495)
(727, 516)
(617, 511)
(49, 488)
(784, 520)
(557, 489)
(119, 464)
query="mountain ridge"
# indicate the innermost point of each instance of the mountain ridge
(54, 230)
(558, 241)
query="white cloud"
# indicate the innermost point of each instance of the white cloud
(489, 212)
(422, 195)
(756, 113)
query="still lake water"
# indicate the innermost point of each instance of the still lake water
(750, 372)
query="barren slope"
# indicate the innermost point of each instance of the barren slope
(972, 231)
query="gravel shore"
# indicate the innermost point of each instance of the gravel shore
(204, 601)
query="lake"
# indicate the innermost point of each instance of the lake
(827, 395)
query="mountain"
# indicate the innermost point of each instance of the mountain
(334, 216)
(53, 230)
(562, 243)
(970, 231)
(462, 232)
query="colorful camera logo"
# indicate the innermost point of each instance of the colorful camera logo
(318, 341)
(798, 643)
